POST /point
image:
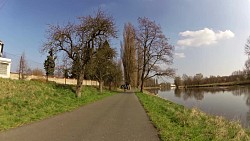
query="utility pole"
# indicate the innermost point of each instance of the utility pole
(20, 68)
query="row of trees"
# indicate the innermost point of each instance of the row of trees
(144, 52)
(81, 43)
(198, 79)
(86, 47)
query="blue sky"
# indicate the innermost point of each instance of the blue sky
(208, 35)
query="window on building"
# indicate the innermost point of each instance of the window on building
(3, 68)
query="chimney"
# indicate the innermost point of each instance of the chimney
(1, 48)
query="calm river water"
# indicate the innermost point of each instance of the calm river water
(231, 102)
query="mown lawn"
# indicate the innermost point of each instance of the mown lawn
(22, 102)
(176, 123)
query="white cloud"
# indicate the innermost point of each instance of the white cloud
(202, 37)
(180, 55)
(179, 48)
(103, 5)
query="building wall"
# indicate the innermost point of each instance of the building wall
(5, 67)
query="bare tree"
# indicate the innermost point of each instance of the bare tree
(198, 78)
(156, 51)
(139, 58)
(247, 52)
(177, 82)
(185, 79)
(79, 41)
(23, 67)
(128, 54)
(247, 47)
(247, 68)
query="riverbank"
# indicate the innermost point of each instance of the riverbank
(220, 84)
(174, 122)
(23, 102)
(146, 88)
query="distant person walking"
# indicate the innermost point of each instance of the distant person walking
(126, 86)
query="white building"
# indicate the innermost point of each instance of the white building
(172, 85)
(5, 63)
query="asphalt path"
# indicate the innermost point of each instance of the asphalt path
(117, 118)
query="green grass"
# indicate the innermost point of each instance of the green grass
(22, 102)
(176, 123)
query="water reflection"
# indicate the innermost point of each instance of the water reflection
(230, 102)
(198, 93)
(155, 91)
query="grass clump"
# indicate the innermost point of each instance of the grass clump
(176, 123)
(22, 102)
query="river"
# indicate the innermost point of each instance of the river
(232, 103)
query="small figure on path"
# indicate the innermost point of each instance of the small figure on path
(126, 86)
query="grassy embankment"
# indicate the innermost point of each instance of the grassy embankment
(176, 123)
(22, 102)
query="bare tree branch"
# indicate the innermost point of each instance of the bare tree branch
(79, 41)
(156, 50)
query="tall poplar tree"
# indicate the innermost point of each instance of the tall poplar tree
(128, 52)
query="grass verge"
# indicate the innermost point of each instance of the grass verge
(176, 123)
(22, 102)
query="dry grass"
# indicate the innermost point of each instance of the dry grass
(175, 122)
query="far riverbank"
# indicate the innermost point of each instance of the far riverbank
(247, 82)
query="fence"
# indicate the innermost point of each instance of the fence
(55, 79)
(31, 65)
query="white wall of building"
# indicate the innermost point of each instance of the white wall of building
(5, 65)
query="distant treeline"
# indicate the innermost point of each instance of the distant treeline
(200, 80)
(237, 77)
(152, 82)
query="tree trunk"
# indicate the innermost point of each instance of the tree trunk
(142, 76)
(110, 85)
(79, 86)
(100, 86)
(138, 78)
(142, 82)
(142, 86)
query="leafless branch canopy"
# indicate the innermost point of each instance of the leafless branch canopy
(79, 41)
(156, 50)
(247, 47)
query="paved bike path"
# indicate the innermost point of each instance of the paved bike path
(116, 118)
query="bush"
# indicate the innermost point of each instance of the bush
(38, 80)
